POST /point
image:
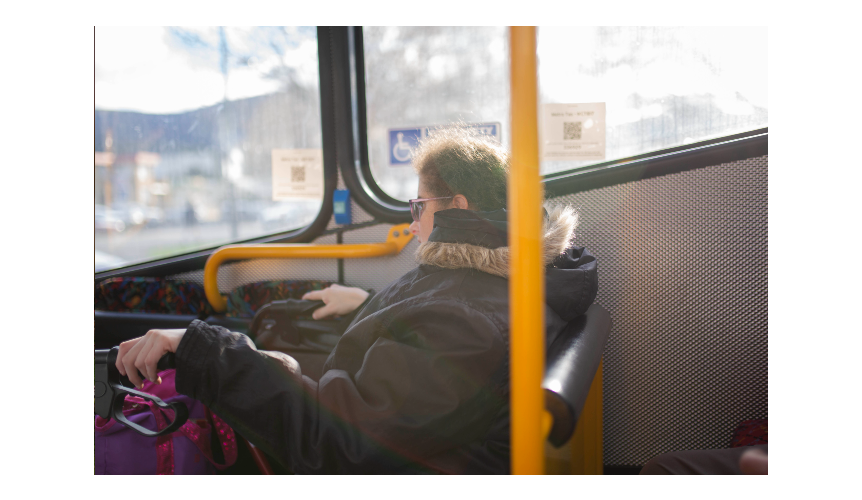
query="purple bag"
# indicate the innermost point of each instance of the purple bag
(119, 450)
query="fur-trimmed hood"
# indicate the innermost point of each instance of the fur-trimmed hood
(463, 239)
(478, 240)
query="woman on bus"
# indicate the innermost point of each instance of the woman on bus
(419, 382)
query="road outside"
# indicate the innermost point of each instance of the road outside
(143, 243)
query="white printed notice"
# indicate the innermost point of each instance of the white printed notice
(573, 131)
(297, 173)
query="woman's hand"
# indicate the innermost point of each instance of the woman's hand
(339, 300)
(143, 354)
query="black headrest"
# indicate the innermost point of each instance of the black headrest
(571, 363)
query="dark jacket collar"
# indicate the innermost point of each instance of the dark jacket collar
(484, 229)
(570, 271)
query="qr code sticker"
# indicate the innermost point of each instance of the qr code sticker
(571, 131)
(297, 174)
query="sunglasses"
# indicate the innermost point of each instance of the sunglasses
(417, 206)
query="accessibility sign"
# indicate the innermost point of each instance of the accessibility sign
(402, 141)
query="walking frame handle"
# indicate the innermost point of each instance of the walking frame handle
(110, 389)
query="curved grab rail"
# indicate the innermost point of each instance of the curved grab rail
(397, 239)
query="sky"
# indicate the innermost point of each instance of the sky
(672, 64)
(144, 69)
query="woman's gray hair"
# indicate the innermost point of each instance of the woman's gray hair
(460, 160)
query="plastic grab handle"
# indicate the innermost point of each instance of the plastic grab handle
(111, 389)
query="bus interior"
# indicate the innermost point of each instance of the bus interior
(251, 138)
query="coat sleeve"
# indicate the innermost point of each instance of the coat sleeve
(420, 382)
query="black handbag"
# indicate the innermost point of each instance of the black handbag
(287, 326)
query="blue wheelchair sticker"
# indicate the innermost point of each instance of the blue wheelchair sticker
(402, 141)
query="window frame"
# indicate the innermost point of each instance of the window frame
(349, 84)
(698, 154)
(345, 150)
(196, 260)
(735, 147)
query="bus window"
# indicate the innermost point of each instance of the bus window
(418, 77)
(662, 86)
(203, 136)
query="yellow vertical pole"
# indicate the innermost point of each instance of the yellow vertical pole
(526, 273)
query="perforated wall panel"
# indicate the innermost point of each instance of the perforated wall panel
(374, 273)
(235, 274)
(377, 272)
(683, 271)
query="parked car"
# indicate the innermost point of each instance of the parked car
(136, 215)
(107, 261)
(107, 219)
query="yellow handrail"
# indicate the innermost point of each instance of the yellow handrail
(526, 275)
(397, 239)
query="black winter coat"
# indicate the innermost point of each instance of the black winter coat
(420, 380)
